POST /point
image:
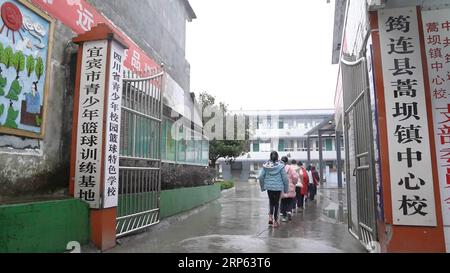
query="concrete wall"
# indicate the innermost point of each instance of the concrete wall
(245, 173)
(43, 226)
(226, 171)
(356, 27)
(157, 26)
(38, 167)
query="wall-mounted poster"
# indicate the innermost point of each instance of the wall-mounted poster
(25, 45)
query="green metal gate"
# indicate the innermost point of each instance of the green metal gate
(140, 153)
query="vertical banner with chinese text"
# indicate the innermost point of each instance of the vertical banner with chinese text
(113, 126)
(90, 123)
(411, 178)
(436, 24)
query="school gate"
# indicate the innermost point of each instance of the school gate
(359, 167)
(140, 152)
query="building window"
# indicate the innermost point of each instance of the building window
(328, 144)
(280, 124)
(308, 124)
(289, 147)
(256, 146)
(330, 164)
(317, 145)
(301, 145)
(290, 124)
(281, 145)
(265, 147)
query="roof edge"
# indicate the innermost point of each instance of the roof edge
(190, 10)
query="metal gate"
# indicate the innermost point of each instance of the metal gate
(140, 153)
(358, 133)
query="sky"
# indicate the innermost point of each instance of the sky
(263, 54)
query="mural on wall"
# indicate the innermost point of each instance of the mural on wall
(24, 48)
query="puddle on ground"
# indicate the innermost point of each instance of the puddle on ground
(335, 212)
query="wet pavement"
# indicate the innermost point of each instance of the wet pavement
(237, 223)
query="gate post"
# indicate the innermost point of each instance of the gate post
(320, 157)
(338, 158)
(308, 152)
(94, 168)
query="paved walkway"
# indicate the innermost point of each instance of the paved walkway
(237, 222)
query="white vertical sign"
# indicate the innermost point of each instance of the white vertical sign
(411, 177)
(436, 29)
(113, 126)
(90, 123)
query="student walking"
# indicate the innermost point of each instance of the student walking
(314, 179)
(297, 171)
(273, 178)
(288, 198)
(301, 189)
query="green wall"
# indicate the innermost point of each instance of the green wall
(43, 226)
(49, 226)
(183, 199)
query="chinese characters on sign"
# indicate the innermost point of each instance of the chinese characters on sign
(406, 116)
(113, 126)
(90, 123)
(436, 24)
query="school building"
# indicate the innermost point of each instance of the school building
(306, 135)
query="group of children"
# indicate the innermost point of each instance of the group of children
(292, 183)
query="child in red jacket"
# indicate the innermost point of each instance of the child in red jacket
(301, 187)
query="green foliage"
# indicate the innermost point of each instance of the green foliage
(18, 61)
(2, 49)
(226, 185)
(39, 67)
(11, 118)
(228, 149)
(30, 64)
(7, 57)
(38, 120)
(183, 176)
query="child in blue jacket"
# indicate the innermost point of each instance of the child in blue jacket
(273, 179)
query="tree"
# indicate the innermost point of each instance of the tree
(222, 148)
(19, 62)
(228, 149)
(30, 65)
(39, 67)
(7, 56)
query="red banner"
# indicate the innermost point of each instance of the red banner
(80, 16)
